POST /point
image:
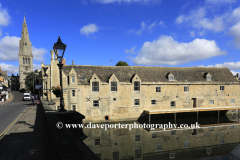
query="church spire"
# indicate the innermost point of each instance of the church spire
(25, 44)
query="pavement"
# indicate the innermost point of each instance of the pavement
(27, 139)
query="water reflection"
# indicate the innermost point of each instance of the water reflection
(216, 137)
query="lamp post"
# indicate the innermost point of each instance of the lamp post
(45, 79)
(59, 49)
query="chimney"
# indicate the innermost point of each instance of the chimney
(42, 64)
(237, 75)
(64, 61)
(72, 62)
(52, 54)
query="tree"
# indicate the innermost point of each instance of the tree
(121, 63)
(30, 80)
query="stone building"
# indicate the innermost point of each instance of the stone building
(4, 78)
(13, 82)
(25, 55)
(116, 93)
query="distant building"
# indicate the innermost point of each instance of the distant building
(131, 92)
(25, 55)
(3, 78)
(14, 82)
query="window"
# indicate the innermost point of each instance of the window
(194, 132)
(137, 153)
(173, 132)
(23, 60)
(136, 102)
(137, 137)
(154, 135)
(153, 102)
(211, 101)
(171, 77)
(95, 103)
(136, 86)
(159, 147)
(68, 80)
(186, 144)
(232, 127)
(96, 141)
(73, 79)
(232, 100)
(158, 89)
(74, 107)
(221, 140)
(114, 86)
(208, 77)
(73, 93)
(115, 155)
(114, 99)
(172, 103)
(95, 86)
(221, 88)
(82, 78)
(186, 88)
(211, 128)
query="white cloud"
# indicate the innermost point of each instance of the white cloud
(234, 73)
(235, 32)
(166, 50)
(89, 29)
(131, 51)
(38, 53)
(4, 16)
(230, 65)
(220, 1)
(161, 23)
(197, 19)
(36, 66)
(9, 49)
(192, 33)
(143, 26)
(11, 69)
(126, 1)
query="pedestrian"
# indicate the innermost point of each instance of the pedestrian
(36, 99)
(33, 100)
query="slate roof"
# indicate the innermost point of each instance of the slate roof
(151, 74)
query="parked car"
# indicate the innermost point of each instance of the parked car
(27, 96)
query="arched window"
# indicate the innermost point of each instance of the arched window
(23, 60)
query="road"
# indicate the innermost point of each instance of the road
(9, 112)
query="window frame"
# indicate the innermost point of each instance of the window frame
(96, 102)
(222, 88)
(136, 87)
(73, 92)
(186, 144)
(113, 88)
(171, 77)
(74, 107)
(186, 89)
(159, 146)
(172, 105)
(138, 153)
(232, 101)
(137, 138)
(209, 78)
(158, 87)
(135, 103)
(153, 101)
(95, 87)
(73, 79)
(95, 140)
(211, 101)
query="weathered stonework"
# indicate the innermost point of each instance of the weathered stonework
(119, 105)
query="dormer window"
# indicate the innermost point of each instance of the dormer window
(82, 78)
(208, 77)
(171, 77)
(73, 79)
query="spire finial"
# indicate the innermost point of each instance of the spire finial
(24, 21)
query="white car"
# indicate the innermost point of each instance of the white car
(27, 96)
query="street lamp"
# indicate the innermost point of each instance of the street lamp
(45, 79)
(59, 49)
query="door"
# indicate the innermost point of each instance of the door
(194, 102)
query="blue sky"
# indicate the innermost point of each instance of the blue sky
(169, 33)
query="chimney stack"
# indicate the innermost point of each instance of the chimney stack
(52, 54)
(237, 75)
(64, 61)
(72, 62)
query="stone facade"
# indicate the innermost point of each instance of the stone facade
(13, 82)
(154, 89)
(25, 55)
